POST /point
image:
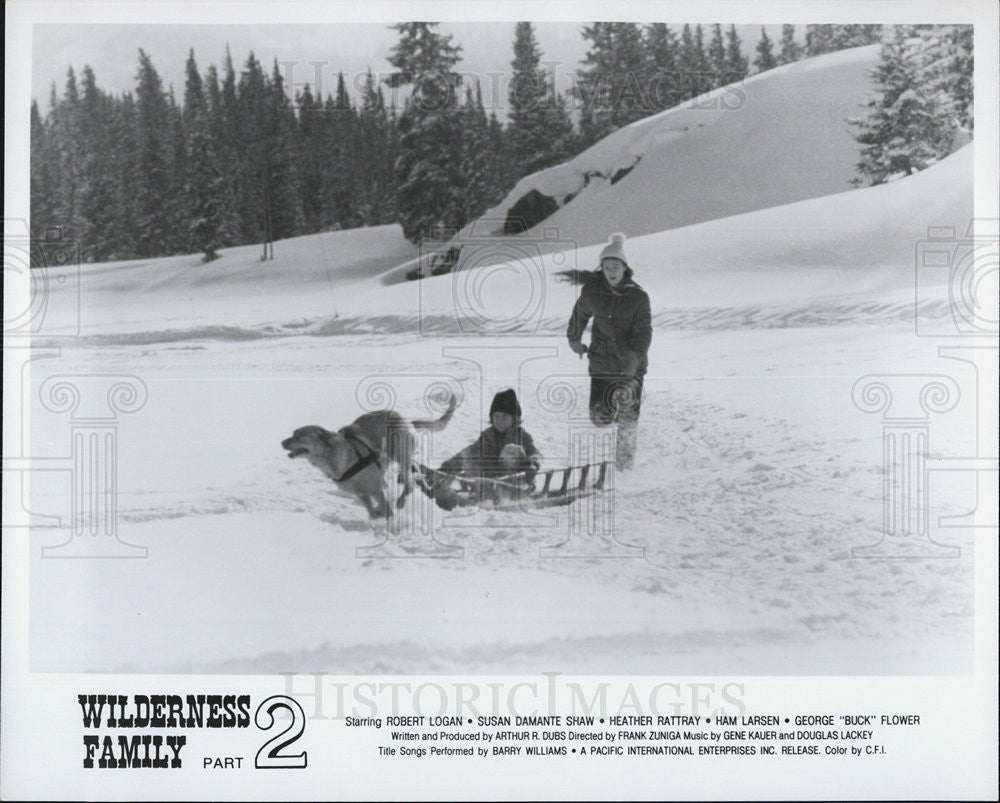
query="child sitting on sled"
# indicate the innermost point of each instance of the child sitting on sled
(504, 448)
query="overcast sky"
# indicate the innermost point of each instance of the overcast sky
(307, 53)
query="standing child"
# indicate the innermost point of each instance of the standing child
(619, 343)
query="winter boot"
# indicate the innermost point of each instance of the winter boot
(444, 494)
(438, 487)
(625, 444)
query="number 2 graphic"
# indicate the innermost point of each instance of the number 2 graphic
(270, 756)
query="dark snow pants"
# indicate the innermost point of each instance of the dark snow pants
(617, 399)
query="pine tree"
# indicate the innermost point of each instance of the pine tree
(960, 69)
(613, 85)
(790, 49)
(912, 118)
(429, 192)
(595, 90)
(563, 142)
(372, 153)
(661, 70)
(819, 39)
(42, 179)
(384, 186)
(67, 158)
(226, 117)
(717, 56)
(527, 101)
(153, 181)
(475, 168)
(703, 70)
(176, 206)
(628, 75)
(227, 164)
(368, 148)
(126, 171)
(283, 194)
(205, 186)
(689, 63)
(502, 179)
(195, 103)
(96, 189)
(310, 157)
(389, 205)
(333, 174)
(341, 189)
(253, 202)
(765, 53)
(737, 65)
(947, 65)
(843, 37)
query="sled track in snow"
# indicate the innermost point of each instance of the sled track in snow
(848, 312)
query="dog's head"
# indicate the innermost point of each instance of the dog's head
(328, 451)
(309, 441)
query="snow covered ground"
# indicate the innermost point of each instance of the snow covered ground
(733, 537)
(733, 547)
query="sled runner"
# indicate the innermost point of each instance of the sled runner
(559, 486)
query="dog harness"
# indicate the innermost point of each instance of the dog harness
(362, 463)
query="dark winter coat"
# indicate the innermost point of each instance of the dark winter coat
(482, 456)
(622, 330)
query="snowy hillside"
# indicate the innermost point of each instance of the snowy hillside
(812, 254)
(776, 138)
(852, 246)
(181, 292)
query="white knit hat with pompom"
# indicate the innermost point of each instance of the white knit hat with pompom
(615, 248)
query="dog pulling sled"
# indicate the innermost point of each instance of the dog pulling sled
(559, 486)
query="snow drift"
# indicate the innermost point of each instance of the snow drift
(823, 260)
(778, 137)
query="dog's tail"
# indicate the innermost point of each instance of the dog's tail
(442, 422)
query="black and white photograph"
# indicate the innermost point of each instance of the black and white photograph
(502, 344)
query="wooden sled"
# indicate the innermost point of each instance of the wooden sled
(559, 486)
